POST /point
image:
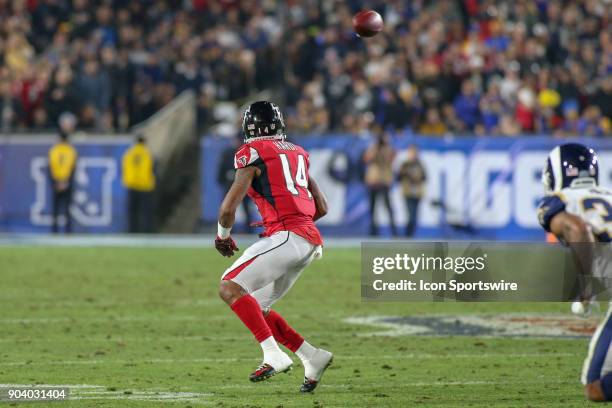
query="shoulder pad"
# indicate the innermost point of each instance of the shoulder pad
(245, 156)
(549, 206)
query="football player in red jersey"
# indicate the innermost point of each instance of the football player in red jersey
(274, 173)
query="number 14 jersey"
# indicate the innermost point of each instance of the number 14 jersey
(281, 192)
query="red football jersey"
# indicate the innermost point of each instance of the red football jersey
(281, 191)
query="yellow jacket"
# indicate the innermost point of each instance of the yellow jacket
(138, 168)
(62, 161)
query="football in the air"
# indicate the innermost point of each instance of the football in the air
(367, 23)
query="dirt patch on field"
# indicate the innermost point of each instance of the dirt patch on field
(498, 325)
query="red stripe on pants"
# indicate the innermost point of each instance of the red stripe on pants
(233, 273)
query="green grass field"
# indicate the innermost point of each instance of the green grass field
(144, 327)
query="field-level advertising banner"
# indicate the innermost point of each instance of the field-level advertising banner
(99, 200)
(478, 188)
(484, 271)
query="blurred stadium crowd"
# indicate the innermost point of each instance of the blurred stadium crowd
(449, 66)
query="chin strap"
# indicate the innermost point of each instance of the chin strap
(583, 182)
(282, 136)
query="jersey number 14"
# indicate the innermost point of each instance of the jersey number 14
(300, 179)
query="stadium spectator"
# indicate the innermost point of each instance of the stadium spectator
(452, 122)
(379, 177)
(492, 107)
(94, 93)
(466, 105)
(433, 125)
(548, 118)
(525, 109)
(508, 126)
(116, 63)
(571, 118)
(591, 123)
(138, 177)
(62, 165)
(602, 98)
(412, 178)
(62, 95)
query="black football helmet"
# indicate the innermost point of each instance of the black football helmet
(570, 165)
(263, 119)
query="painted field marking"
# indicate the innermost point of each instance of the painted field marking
(100, 392)
(499, 325)
(406, 384)
(47, 303)
(114, 319)
(140, 339)
(88, 391)
(253, 359)
(109, 319)
(53, 385)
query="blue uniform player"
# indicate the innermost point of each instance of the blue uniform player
(578, 211)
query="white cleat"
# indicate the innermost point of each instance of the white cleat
(281, 364)
(318, 364)
(585, 308)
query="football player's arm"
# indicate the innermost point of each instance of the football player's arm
(319, 197)
(575, 233)
(570, 228)
(242, 181)
(224, 243)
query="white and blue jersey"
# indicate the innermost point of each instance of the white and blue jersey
(594, 206)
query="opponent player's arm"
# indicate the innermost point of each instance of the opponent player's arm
(574, 232)
(227, 212)
(319, 197)
(570, 228)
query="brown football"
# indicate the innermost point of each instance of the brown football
(367, 23)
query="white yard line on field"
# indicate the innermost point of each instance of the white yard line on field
(404, 384)
(152, 396)
(52, 385)
(161, 398)
(143, 339)
(338, 358)
(49, 303)
(109, 319)
(100, 392)
(112, 319)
